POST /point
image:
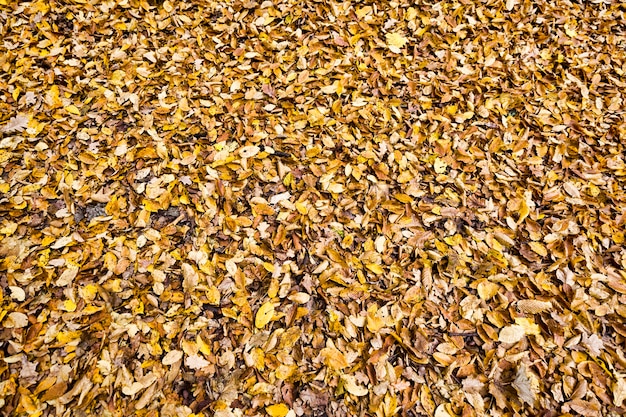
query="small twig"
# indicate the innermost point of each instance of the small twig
(468, 334)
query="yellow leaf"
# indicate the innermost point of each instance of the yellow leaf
(35, 127)
(333, 358)
(486, 289)
(203, 346)
(315, 118)
(426, 398)
(529, 326)
(350, 384)
(440, 166)
(110, 261)
(264, 315)
(285, 371)
(300, 206)
(91, 310)
(444, 410)
(151, 206)
(403, 198)
(389, 407)
(117, 78)
(405, 176)
(213, 296)
(395, 41)
(66, 337)
(455, 240)
(257, 357)
(40, 6)
(72, 109)
(374, 321)
(377, 269)
(277, 410)
(69, 305)
(497, 258)
(52, 98)
(8, 229)
(538, 248)
(363, 11)
(524, 211)
(272, 291)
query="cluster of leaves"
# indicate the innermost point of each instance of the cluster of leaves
(295, 208)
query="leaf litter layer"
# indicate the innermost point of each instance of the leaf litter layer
(312, 208)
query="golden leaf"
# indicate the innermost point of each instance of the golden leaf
(524, 211)
(538, 248)
(375, 268)
(440, 166)
(374, 321)
(486, 289)
(350, 384)
(72, 109)
(333, 358)
(69, 305)
(203, 346)
(529, 325)
(264, 315)
(213, 296)
(277, 410)
(395, 42)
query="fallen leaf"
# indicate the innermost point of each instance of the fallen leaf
(264, 315)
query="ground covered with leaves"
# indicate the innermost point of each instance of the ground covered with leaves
(312, 208)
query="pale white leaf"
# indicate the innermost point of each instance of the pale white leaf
(511, 334)
(172, 357)
(16, 320)
(526, 384)
(17, 123)
(196, 362)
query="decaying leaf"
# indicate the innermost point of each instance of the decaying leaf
(526, 384)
